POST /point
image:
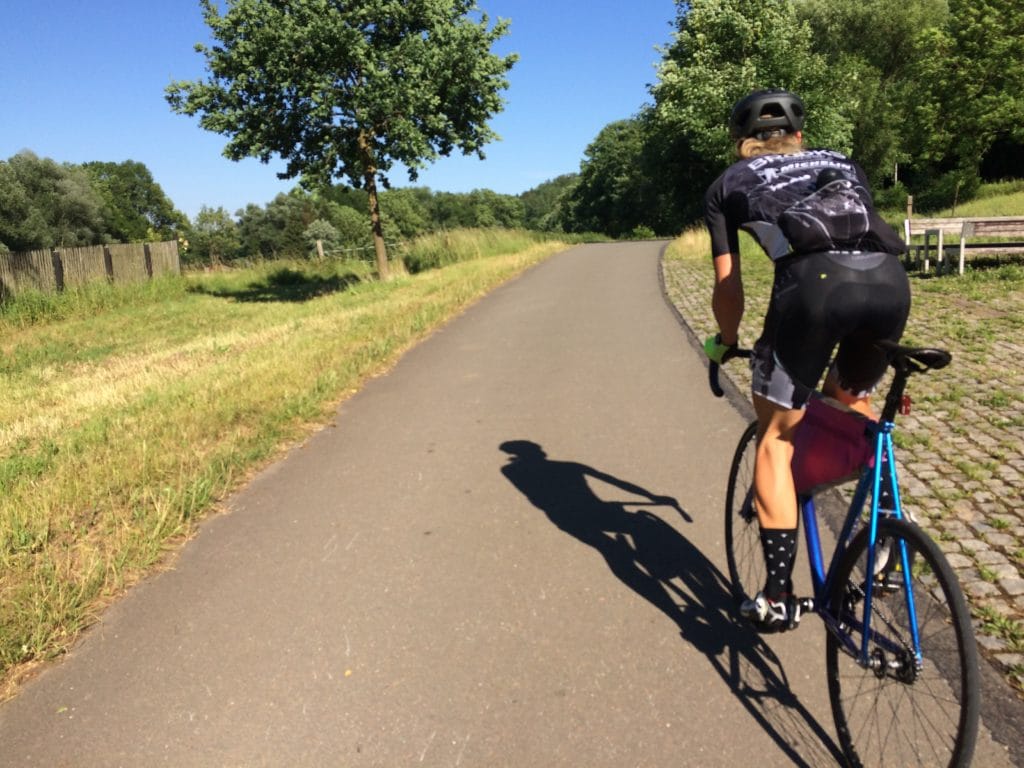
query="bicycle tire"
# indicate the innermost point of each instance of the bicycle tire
(742, 533)
(897, 713)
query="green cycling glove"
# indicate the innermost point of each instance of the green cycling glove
(716, 351)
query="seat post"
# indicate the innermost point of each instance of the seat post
(894, 398)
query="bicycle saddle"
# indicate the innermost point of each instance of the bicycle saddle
(928, 357)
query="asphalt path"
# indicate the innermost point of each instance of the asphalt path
(505, 552)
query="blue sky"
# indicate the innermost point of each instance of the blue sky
(85, 81)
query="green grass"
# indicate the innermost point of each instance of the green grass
(987, 574)
(999, 199)
(128, 412)
(34, 307)
(972, 471)
(1009, 629)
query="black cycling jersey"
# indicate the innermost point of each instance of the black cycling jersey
(809, 202)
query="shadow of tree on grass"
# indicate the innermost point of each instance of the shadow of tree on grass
(284, 285)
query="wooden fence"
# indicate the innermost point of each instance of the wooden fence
(60, 268)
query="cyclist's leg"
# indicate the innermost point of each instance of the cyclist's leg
(774, 493)
(860, 402)
(779, 398)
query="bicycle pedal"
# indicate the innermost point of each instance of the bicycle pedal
(796, 607)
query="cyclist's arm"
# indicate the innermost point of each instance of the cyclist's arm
(727, 299)
(629, 487)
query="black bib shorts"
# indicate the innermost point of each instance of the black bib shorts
(821, 300)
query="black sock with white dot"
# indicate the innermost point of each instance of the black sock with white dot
(779, 546)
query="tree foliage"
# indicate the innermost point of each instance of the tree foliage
(874, 63)
(609, 195)
(214, 237)
(344, 90)
(135, 208)
(542, 205)
(925, 93)
(723, 50)
(971, 95)
(44, 204)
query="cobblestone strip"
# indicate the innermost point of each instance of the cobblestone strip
(959, 451)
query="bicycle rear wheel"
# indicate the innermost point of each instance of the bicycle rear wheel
(742, 533)
(896, 711)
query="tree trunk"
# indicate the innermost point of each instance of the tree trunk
(370, 178)
(378, 231)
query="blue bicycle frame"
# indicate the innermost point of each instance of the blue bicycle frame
(871, 480)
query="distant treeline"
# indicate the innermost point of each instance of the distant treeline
(46, 204)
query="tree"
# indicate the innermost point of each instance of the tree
(406, 211)
(135, 208)
(343, 90)
(214, 236)
(324, 232)
(44, 204)
(609, 196)
(724, 49)
(677, 176)
(874, 62)
(542, 204)
(277, 230)
(970, 94)
(21, 227)
(353, 234)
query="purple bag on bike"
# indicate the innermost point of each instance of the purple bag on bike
(830, 445)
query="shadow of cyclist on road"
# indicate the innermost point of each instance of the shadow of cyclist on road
(661, 565)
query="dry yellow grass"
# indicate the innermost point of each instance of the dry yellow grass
(120, 431)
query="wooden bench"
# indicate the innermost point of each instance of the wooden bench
(963, 228)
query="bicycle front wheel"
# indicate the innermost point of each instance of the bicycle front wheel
(742, 533)
(895, 709)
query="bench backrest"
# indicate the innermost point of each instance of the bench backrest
(1006, 226)
(920, 226)
(964, 226)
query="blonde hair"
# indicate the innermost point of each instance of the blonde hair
(786, 144)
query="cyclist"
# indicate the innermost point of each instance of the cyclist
(838, 281)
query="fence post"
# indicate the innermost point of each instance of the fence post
(320, 249)
(108, 264)
(58, 269)
(149, 260)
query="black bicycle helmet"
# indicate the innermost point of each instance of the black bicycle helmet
(766, 110)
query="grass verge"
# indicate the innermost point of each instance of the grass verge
(128, 412)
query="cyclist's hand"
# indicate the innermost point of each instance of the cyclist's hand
(716, 351)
